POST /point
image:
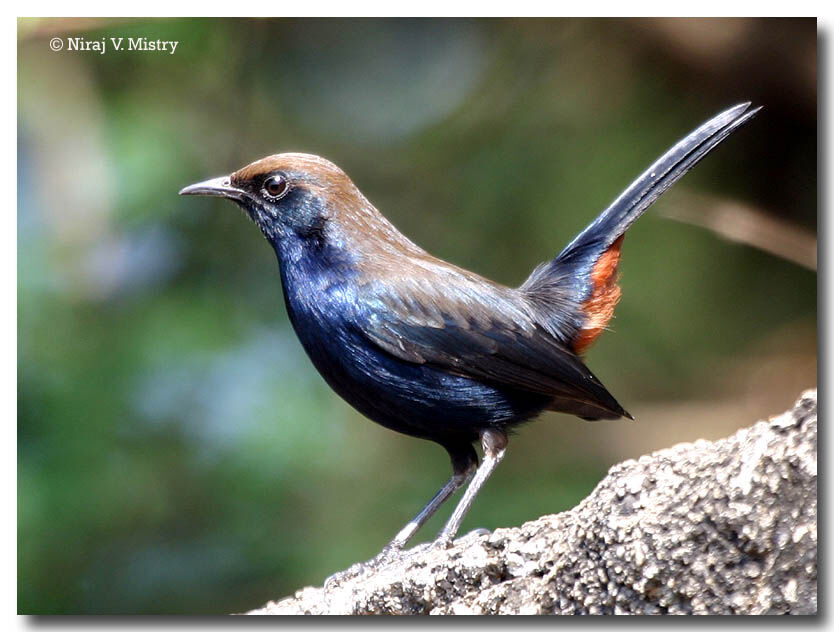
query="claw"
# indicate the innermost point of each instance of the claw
(475, 533)
(387, 556)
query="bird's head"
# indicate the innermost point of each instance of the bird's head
(290, 195)
(305, 206)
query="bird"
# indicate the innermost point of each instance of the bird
(426, 348)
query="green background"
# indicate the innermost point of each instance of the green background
(178, 453)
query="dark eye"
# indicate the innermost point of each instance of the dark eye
(276, 186)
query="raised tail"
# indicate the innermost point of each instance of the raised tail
(576, 292)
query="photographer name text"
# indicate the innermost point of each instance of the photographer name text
(105, 44)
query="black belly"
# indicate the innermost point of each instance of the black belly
(415, 399)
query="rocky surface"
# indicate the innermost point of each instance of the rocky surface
(724, 527)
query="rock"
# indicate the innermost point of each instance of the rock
(724, 527)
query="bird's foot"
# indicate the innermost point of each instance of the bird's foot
(388, 555)
(442, 542)
(393, 553)
(476, 533)
(447, 541)
(349, 573)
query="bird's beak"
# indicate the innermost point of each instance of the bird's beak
(220, 187)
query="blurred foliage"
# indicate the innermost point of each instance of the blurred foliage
(178, 452)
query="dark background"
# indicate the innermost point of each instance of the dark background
(177, 452)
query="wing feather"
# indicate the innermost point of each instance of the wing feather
(479, 330)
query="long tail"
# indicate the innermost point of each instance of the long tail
(575, 293)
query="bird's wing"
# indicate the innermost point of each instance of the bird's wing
(480, 330)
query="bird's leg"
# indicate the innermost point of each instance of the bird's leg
(494, 443)
(464, 465)
(408, 531)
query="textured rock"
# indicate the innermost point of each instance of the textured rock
(724, 527)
